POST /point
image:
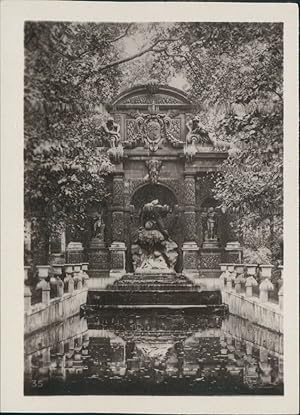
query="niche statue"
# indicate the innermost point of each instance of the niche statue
(211, 225)
(98, 227)
(153, 250)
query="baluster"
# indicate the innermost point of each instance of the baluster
(58, 268)
(223, 276)
(60, 287)
(264, 287)
(229, 281)
(68, 280)
(239, 268)
(43, 271)
(250, 283)
(230, 268)
(265, 271)
(43, 274)
(77, 276)
(45, 287)
(85, 276)
(251, 269)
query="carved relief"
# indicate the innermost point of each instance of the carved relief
(190, 226)
(118, 191)
(152, 130)
(154, 167)
(189, 191)
(98, 260)
(210, 261)
(118, 226)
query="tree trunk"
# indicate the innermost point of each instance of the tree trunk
(40, 242)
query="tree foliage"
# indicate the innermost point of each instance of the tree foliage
(235, 74)
(233, 71)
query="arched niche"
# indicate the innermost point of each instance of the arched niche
(148, 192)
(173, 222)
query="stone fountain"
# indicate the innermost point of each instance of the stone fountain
(154, 281)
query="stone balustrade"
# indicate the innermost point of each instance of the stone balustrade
(247, 290)
(61, 290)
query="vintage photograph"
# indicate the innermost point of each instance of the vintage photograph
(153, 208)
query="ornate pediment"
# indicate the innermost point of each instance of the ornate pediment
(151, 95)
(155, 99)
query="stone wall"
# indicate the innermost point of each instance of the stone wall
(59, 309)
(237, 288)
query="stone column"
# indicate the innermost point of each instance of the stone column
(190, 248)
(118, 248)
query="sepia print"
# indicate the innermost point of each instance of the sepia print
(153, 194)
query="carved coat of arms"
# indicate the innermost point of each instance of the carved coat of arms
(152, 130)
(153, 134)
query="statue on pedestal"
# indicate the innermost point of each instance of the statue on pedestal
(211, 225)
(154, 251)
(99, 227)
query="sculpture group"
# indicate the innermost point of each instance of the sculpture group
(153, 250)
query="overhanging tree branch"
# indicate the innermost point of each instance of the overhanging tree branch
(127, 59)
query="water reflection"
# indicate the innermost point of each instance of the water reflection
(165, 352)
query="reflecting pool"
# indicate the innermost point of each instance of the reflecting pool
(157, 351)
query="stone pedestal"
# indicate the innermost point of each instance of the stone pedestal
(74, 253)
(210, 244)
(117, 258)
(190, 258)
(210, 256)
(97, 257)
(233, 253)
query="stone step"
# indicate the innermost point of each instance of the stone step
(146, 297)
(151, 287)
(156, 277)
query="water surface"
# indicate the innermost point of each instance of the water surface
(160, 352)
